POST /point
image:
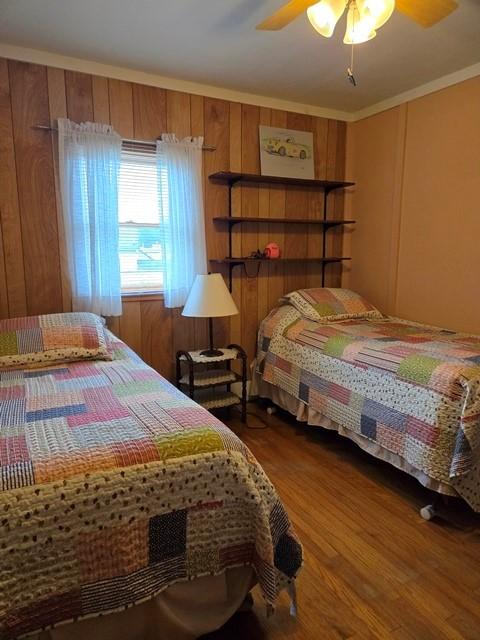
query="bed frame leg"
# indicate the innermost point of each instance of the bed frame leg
(429, 511)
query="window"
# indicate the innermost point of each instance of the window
(142, 195)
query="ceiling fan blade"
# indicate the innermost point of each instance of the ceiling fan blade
(426, 12)
(285, 15)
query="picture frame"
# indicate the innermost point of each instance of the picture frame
(286, 153)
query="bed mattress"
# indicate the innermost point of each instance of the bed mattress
(114, 485)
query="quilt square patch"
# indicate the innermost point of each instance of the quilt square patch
(71, 464)
(17, 475)
(30, 341)
(418, 368)
(167, 535)
(114, 551)
(422, 431)
(13, 448)
(56, 412)
(201, 561)
(39, 402)
(336, 345)
(188, 442)
(339, 393)
(287, 555)
(135, 452)
(279, 523)
(391, 439)
(42, 445)
(70, 383)
(303, 391)
(45, 372)
(107, 432)
(313, 381)
(318, 400)
(368, 427)
(385, 415)
(12, 412)
(8, 343)
(193, 416)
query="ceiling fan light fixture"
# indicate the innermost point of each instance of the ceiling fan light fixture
(360, 25)
(324, 16)
(379, 10)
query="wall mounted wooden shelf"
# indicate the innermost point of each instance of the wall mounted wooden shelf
(232, 220)
(236, 261)
(231, 179)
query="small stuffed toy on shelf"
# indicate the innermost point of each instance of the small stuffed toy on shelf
(271, 251)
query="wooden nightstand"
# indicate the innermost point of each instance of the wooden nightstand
(204, 378)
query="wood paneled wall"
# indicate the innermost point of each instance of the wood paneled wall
(33, 276)
(416, 166)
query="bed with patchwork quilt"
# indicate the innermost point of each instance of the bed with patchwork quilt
(114, 485)
(406, 392)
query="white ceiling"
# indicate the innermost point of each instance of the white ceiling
(215, 42)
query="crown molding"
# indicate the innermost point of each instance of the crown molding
(50, 59)
(418, 92)
(165, 82)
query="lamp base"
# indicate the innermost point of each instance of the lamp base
(211, 353)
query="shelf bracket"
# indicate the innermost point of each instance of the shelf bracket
(232, 265)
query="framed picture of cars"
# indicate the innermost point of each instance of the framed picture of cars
(286, 153)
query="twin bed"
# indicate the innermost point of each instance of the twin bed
(116, 489)
(405, 392)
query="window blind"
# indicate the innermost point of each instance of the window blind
(143, 192)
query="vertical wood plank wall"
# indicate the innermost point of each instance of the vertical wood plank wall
(415, 253)
(33, 277)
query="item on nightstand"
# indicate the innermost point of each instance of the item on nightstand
(272, 251)
(209, 298)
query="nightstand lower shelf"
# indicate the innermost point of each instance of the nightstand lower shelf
(211, 378)
(213, 400)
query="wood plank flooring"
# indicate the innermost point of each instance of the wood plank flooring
(373, 567)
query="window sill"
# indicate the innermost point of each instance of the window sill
(142, 296)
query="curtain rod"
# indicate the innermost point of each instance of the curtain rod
(46, 127)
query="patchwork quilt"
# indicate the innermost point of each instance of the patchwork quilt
(114, 485)
(411, 388)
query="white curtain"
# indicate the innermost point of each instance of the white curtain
(180, 181)
(89, 172)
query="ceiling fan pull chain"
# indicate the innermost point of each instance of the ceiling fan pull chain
(350, 75)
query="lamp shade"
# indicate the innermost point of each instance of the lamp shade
(324, 15)
(209, 298)
(379, 10)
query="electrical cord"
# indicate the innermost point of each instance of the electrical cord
(265, 425)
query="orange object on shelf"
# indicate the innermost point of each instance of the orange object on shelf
(271, 251)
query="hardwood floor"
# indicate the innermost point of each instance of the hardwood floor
(373, 568)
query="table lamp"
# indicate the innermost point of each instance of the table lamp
(209, 298)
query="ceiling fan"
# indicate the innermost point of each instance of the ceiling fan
(363, 16)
